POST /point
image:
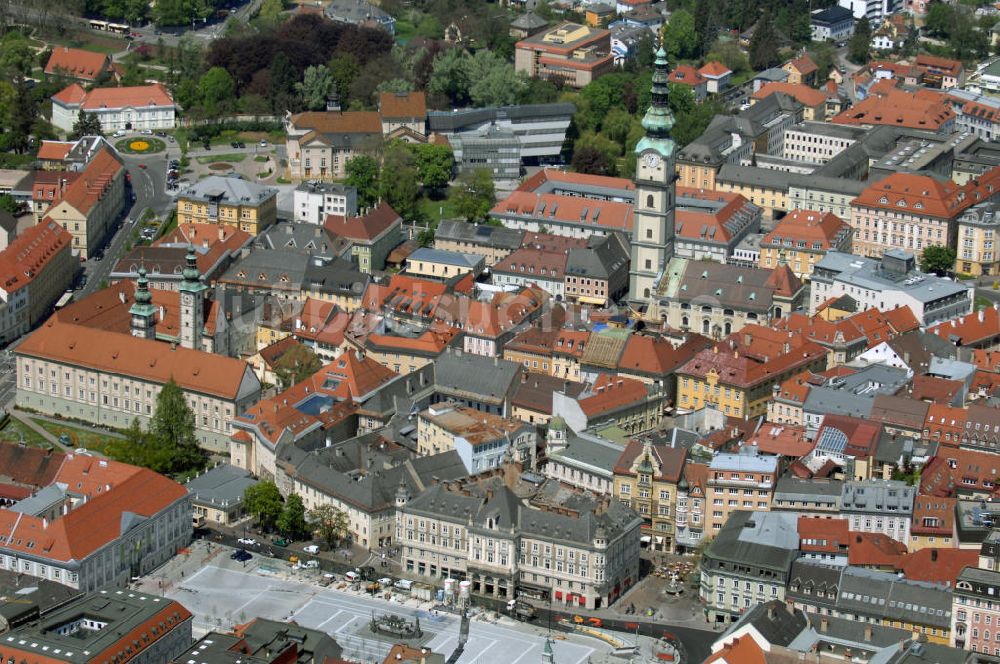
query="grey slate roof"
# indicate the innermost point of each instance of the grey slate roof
(465, 119)
(590, 451)
(731, 286)
(448, 257)
(766, 539)
(604, 257)
(794, 488)
(507, 510)
(489, 236)
(475, 376)
(311, 238)
(877, 497)
(855, 394)
(223, 485)
(269, 268)
(335, 276)
(229, 189)
(774, 622)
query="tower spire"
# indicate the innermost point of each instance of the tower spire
(659, 119)
(142, 311)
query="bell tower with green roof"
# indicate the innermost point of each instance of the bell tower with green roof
(143, 312)
(655, 196)
(192, 291)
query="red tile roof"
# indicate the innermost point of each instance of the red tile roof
(926, 196)
(503, 313)
(95, 182)
(657, 357)
(112, 489)
(823, 228)
(785, 440)
(862, 435)
(686, 75)
(944, 424)
(29, 254)
(71, 94)
(556, 175)
(939, 64)
(803, 94)
(546, 208)
(933, 516)
(753, 356)
(804, 65)
(669, 460)
(714, 69)
(364, 227)
(123, 354)
(935, 389)
(54, 150)
(938, 565)
(953, 470)
(77, 63)
(744, 650)
(897, 108)
(33, 467)
(571, 343)
(970, 329)
(819, 535)
(874, 550)
(402, 105)
(610, 394)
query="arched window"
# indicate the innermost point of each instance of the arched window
(645, 292)
(704, 327)
(684, 321)
(649, 201)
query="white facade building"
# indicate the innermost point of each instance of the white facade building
(314, 200)
(118, 109)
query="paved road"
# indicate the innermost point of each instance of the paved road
(8, 376)
(148, 185)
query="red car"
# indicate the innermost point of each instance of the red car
(142, 166)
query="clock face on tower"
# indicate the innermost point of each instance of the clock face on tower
(651, 159)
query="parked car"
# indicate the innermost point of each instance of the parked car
(234, 145)
(263, 143)
(248, 541)
(281, 541)
(242, 555)
(241, 145)
(352, 577)
(403, 584)
(312, 548)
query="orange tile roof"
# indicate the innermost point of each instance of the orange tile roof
(396, 105)
(502, 314)
(686, 75)
(781, 440)
(936, 63)
(54, 150)
(796, 388)
(71, 94)
(823, 535)
(954, 470)
(108, 309)
(898, 108)
(803, 94)
(33, 467)
(610, 394)
(30, 252)
(347, 381)
(744, 650)
(926, 196)
(405, 294)
(719, 225)
(874, 550)
(529, 262)
(935, 389)
(696, 475)
(752, 356)
(123, 354)
(804, 65)
(944, 424)
(111, 98)
(936, 510)
(364, 227)
(969, 330)
(605, 181)
(656, 356)
(112, 489)
(546, 208)
(901, 319)
(714, 69)
(938, 565)
(97, 178)
(810, 227)
(77, 63)
(332, 122)
(571, 343)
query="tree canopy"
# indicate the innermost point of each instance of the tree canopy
(363, 174)
(329, 524)
(937, 259)
(474, 194)
(295, 365)
(292, 520)
(87, 124)
(263, 501)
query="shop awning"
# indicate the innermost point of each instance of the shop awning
(646, 539)
(659, 540)
(598, 301)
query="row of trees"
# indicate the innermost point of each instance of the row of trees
(289, 517)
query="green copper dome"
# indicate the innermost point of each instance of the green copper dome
(142, 294)
(191, 268)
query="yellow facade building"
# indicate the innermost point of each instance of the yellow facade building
(229, 201)
(645, 479)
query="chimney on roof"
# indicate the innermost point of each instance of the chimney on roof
(980, 314)
(824, 625)
(868, 633)
(790, 605)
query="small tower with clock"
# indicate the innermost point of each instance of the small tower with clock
(192, 292)
(142, 311)
(653, 217)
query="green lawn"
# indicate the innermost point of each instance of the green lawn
(79, 437)
(15, 432)
(981, 303)
(214, 158)
(435, 211)
(260, 158)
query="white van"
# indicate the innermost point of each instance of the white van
(404, 585)
(352, 577)
(312, 548)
